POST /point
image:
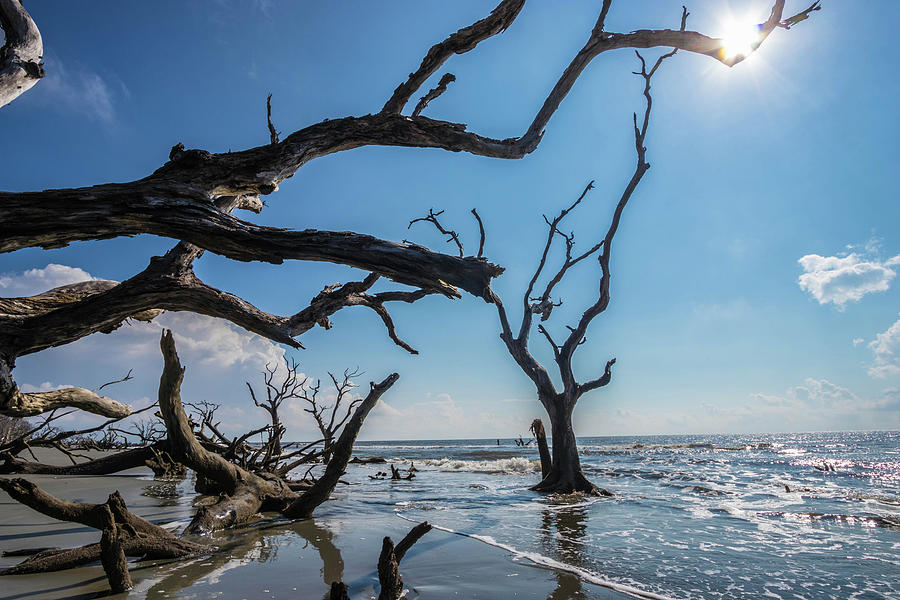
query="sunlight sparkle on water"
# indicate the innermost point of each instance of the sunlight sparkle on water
(740, 37)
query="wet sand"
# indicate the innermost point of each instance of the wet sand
(272, 558)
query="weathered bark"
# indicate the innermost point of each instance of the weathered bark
(137, 537)
(114, 463)
(165, 467)
(414, 535)
(389, 572)
(190, 198)
(149, 548)
(16, 403)
(389, 561)
(537, 428)
(21, 54)
(112, 555)
(342, 450)
(565, 475)
(55, 218)
(192, 176)
(91, 515)
(244, 492)
(168, 283)
(27, 551)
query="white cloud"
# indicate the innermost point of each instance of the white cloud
(219, 355)
(840, 279)
(886, 347)
(76, 90)
(857, 341)
(36, 281)
(47, 386)
(438, 416)
(215, 341)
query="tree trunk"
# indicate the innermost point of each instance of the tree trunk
(537, 428)
(105, 465)
(565, 474)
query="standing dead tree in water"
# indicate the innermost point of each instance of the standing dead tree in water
(328, 416)
(565, 473)
(191, 198)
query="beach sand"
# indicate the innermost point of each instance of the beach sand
(272, 558)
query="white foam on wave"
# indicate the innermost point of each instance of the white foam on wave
(549, 563)
(501, 465)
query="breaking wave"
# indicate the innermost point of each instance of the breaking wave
(549, 563)
(501, 465)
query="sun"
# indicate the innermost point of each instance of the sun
(740, 39)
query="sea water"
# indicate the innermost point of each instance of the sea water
(804, 515)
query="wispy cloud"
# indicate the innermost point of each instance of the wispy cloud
(886, 348)
(842, 279)
(77, 90)
(219, 355)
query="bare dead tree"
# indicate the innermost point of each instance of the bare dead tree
(330, 418)
(277, 392)
(191, 197)
(12, 428)
(241, 493)
(565, 473)
(21, 54)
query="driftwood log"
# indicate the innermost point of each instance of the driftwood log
(242, 494)
(388, 566)
(135, 536)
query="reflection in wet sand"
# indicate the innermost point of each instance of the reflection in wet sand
(258, 544)
(563, 529)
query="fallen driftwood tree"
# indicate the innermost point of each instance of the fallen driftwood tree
(241, 493)
(190, 199)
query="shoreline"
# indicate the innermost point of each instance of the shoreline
(275, 558)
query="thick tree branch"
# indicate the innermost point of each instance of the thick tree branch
(53, 219)
(21, 54)
(458, 43)
(341, 453)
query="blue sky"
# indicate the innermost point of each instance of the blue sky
(754, 275)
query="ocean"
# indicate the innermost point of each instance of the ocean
(800, 515)
(786, 516)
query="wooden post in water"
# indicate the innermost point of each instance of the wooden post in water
(537, 428)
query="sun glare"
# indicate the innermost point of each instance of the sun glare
(740, 39)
